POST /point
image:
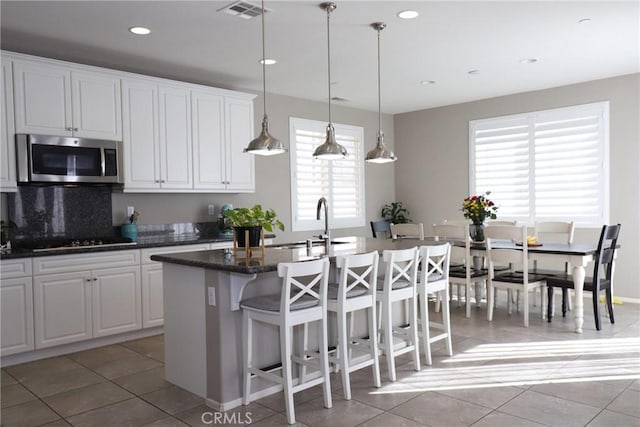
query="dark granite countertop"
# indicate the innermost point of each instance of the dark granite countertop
(292, 252)
(143, 242)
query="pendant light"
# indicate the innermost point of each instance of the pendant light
(380, 153)
(330, 149)
(265, 144)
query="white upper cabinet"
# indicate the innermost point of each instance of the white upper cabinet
(239, 132)
(58, 100)
(157, 136)
(209, 162)
(176, 167)
(7, 144)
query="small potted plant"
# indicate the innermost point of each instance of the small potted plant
(395, 213)
(254, 220)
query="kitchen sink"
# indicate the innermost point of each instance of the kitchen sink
(298, 245)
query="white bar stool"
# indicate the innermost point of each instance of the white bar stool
(356, 290)
(434, 278)
(399, 284)
(303, 300)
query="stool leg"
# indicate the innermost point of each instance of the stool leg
(343, 354)
(388, 340)
(373, 344)
(446, 319)
(303, 356)
(414, 332)
(324, 362)
(424, 316)
(247, 338)
(287, 378)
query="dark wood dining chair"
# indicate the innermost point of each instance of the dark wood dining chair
(600, 281)
(381, 228)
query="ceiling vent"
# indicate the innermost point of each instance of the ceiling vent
(243, 9)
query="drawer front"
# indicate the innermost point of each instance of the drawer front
(146, 253)
(15, 268)
(88, 261)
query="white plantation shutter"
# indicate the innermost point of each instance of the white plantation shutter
(544, 166)
(341, 182)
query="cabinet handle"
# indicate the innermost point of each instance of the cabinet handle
(95, 279)
(75, 129)
(69, 129)
(162, 181)
(157, 181)
(88, 280)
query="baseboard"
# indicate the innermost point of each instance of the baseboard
(225, 406)
(60, 350)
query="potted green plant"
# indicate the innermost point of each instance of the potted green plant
(254, 220)
(395, 213)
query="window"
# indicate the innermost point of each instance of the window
(341, 182)
(544, 166)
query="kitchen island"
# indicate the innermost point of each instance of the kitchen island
(203, 321)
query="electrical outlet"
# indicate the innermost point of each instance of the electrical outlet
(212, 295)
(211, 209)
(130, 211)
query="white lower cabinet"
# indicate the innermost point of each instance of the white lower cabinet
(16, 315)
(75, 304)
(152, 301)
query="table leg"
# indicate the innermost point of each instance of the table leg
(578, 305)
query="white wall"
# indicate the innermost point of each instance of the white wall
(273, 188)
(433, 149)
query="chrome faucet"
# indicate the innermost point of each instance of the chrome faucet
(326, 236)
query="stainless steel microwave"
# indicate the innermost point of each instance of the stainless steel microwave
(60, 159)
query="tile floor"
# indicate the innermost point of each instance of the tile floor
(501, 374)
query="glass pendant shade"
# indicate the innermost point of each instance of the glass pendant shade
(265, 144)
(380, 153)
(330, 149)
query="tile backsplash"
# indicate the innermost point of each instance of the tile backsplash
(60, 211)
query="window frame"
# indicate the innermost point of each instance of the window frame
(340, 129)
(601, 108)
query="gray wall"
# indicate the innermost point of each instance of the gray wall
(273, 188)
(433, 148)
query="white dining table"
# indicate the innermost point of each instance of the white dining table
(578, 255)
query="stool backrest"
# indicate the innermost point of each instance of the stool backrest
(407, 231)
(401, 265)
(435, 263)
(357, 272)
(455, 231)
(306, 280)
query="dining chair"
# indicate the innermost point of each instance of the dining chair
(434, 279)
(355, 291)
(600, 281)
(511, 259)
(553, 232)
(407, 231)
(380, 228)
(399, 284)
(498, 222)
(303, 300)
(462, 271)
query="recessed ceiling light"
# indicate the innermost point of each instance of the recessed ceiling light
(473, 72)
(584, 20)
(140, 31)
(528, 60)
(408, 14)
(427, 82)
(268, 61)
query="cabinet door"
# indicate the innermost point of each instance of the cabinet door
(239, 131)
(42, 99)
(116, 300)
(7, 130)
(175, 138)
(209, 163)
(97, 109)
(141, 138)
(16, 315)
(152, 303)
(62, 308)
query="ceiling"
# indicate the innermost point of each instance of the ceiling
(191, 41)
